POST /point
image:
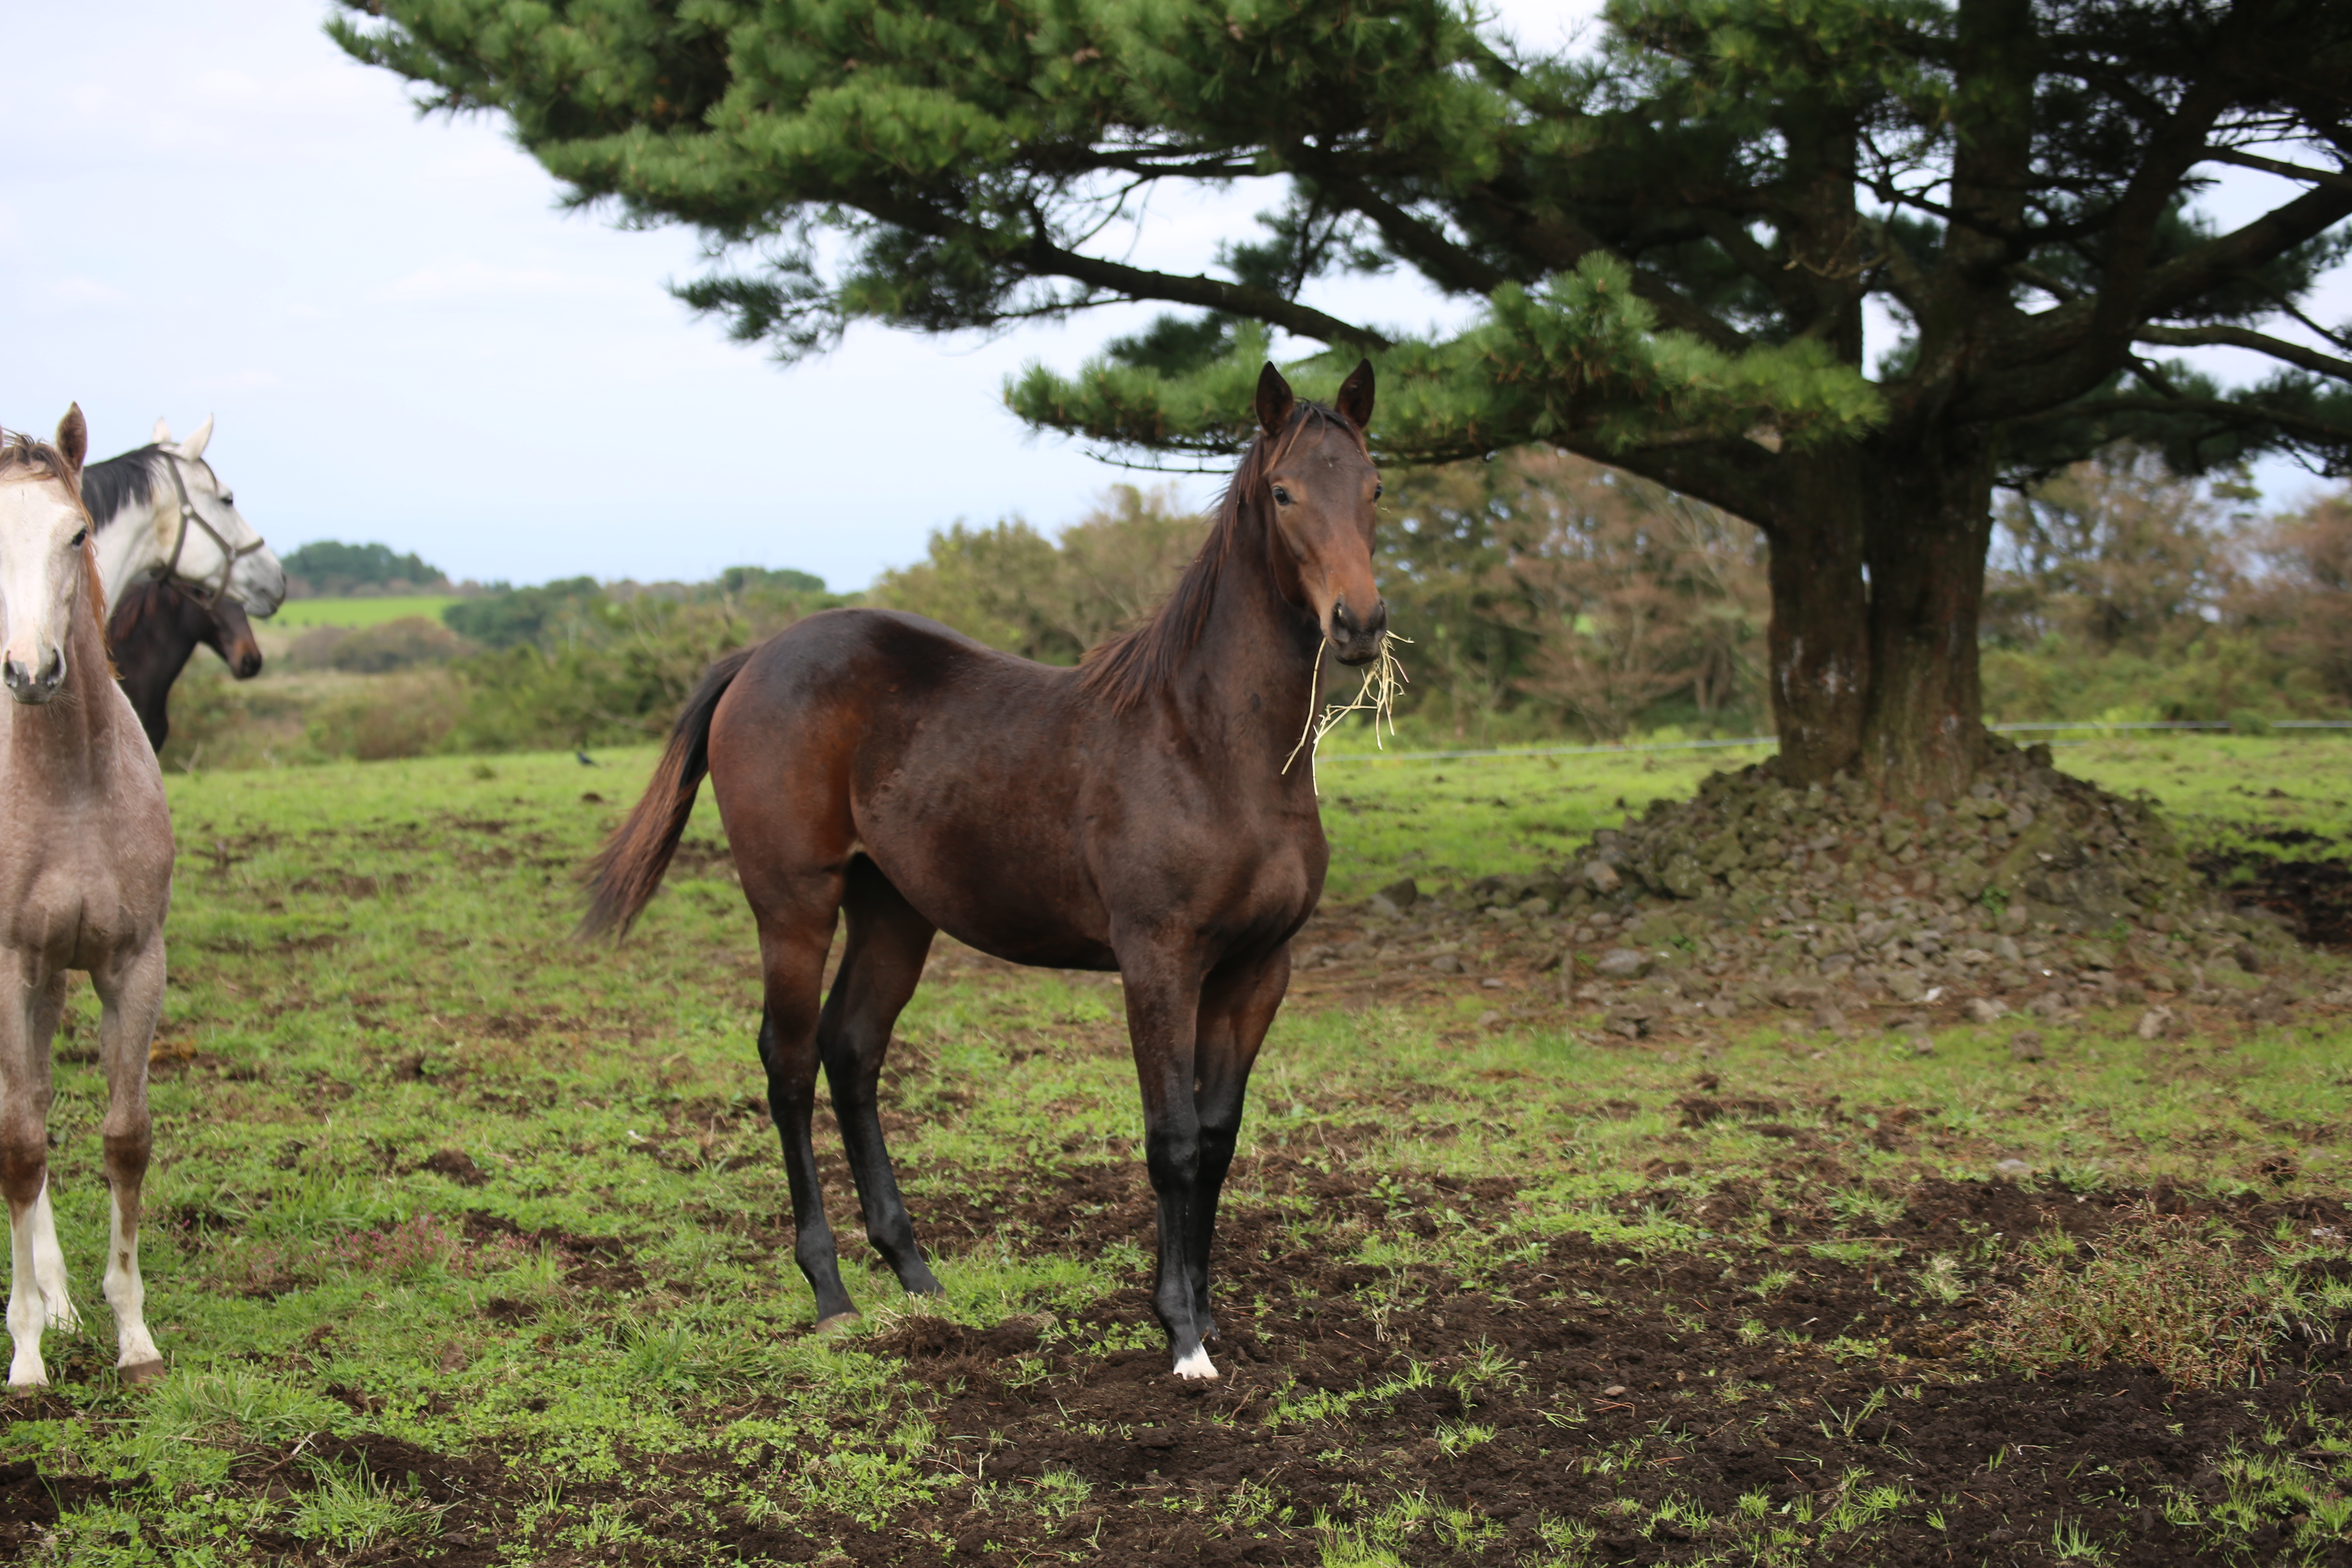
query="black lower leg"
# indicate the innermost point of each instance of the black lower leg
(1201, 1219)
(791, 1094)
(887, 1224)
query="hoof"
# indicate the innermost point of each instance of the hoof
(138, 1374)
(837, 1322)
(1197, 1365)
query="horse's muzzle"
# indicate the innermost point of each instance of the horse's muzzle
(35, 686)
(1358, 641)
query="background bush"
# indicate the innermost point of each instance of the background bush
(1546, 597)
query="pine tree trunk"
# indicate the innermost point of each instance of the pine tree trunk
(1930, 520)
(1819, 639)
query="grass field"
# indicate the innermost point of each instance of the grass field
(301, 615)
(470, 1244)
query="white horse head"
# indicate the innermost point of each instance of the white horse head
(43, 558)
(161, 512)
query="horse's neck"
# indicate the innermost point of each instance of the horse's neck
(69, 741)
(1251, 671)
(126, 542)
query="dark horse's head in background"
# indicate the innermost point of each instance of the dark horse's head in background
(156, 628)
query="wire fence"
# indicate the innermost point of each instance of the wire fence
(2095, 730)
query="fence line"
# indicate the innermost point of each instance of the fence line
(2206, 724)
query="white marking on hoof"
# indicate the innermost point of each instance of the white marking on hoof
(1197, 1364)
(27, 1370)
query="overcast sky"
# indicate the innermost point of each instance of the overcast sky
(210, 209)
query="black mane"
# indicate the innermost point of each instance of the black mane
(113, 487)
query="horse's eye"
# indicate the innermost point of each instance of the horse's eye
(228, 499)
(1281, 495)
(1379, 490)
(77, 540)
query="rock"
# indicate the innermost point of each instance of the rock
(2249, 957)
(2010, 1170)
(2156, 1023)
(1385, 906)
(1659, 928)
(2025, 1046)
(1922, 1045)
(1683, 876)
(1602, 877)
(2005, 949)
(2095, 955)
(1404, 893)
(1620, 963)
(1446, 963)
(1829, 1019)
(1906, 985)
(1985, 1010)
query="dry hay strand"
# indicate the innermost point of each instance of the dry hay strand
(1383, 678)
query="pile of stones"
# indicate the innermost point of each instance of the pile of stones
(2035, 892)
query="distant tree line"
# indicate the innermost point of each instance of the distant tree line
(1544, 594)
(329, 569)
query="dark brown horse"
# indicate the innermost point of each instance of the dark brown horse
(153, 632)
(1133, 814)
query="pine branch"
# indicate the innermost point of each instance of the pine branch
(2243, 338)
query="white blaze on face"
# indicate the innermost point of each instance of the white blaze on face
(40, 572)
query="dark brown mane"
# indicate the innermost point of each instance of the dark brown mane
(1134, 664)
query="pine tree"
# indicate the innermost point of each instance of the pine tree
(1674, 233)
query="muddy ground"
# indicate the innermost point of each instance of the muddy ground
(1575, 1382)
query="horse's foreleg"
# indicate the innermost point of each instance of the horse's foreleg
(37, 1283)
(48, 1257)
(1163, 1011)
(1237, 1010)
(881, 963)
(132, 997)
(795, 969)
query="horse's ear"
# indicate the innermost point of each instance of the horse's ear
(161, 435)
(1273, 401)
(194, 446)
(1355, 399)
(73, 436)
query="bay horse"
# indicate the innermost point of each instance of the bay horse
(84, 880)
(1133, 814)
(161, 512)
(157, 626)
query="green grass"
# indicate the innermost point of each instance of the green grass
(374, 987)
(301, 615)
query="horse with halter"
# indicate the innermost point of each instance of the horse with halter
(85, 880)
(1135, 814)
(160, 511)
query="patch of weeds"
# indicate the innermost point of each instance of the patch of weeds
(2157, 1290)
(350, 1510)
(1940, 1281)
(1861, 1207)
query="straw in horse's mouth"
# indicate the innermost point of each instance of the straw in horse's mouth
(1384, 677)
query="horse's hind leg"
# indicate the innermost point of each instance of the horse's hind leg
(132, 997)
(880, 965)
(36, 1284)
(793, 944)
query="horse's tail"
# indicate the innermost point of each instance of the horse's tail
(623, 877)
